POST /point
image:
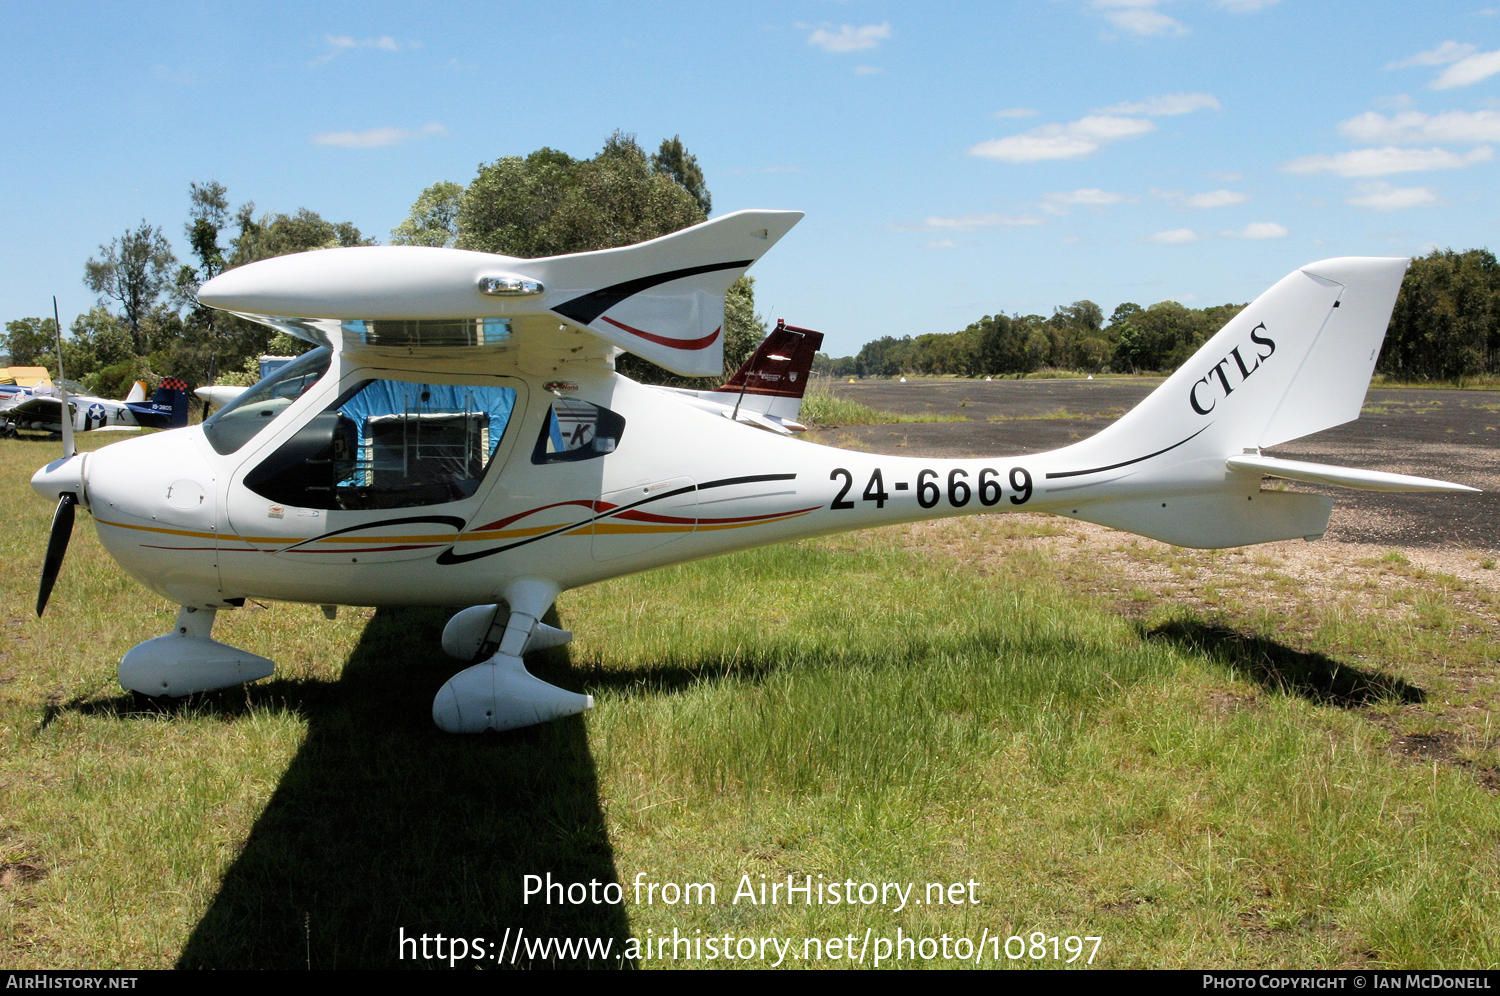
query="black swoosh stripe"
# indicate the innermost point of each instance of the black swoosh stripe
(449, 557)
(445, 520)
(590, 306)
(1126, 463)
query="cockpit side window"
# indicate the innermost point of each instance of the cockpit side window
(577, 430)
(389, 444)
(241, 420)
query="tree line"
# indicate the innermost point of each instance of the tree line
(147, 324)
(1446, 325)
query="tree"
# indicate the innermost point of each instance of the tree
(134, 270)
(433, 220)
(231, 342)
(100, 354)
(190, 353)
(207, 219)
(673, 160)
(549, 203)
(31, 342)
(743, 328)
(282, 234)
(1123, 311)
(1446, 322)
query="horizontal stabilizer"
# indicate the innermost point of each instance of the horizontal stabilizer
(760, 421)
(1344, 477)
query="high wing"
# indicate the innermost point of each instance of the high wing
(662, 300)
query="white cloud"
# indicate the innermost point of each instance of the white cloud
(1387, 160)
(1246, 6)
(848, 38)
(339, 44)
(1087, 197)
(1208, 199)
(375, 138)
(1176, 236)
(867, 70)
(1381, 196)
(1164, 106)
(1073, 140)
(970, 222)
(1139, 17)
(1467, 72)
(1414, 126)
(1015, 112)
(940, 244)
(759, 169)
(1448, 51)
(1215, 199)
(1259, 230)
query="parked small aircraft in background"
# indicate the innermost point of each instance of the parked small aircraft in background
(42, 408)
(461, 437)
(20, 380)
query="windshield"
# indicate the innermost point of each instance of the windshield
(238, 422)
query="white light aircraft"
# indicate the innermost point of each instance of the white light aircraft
(460, 437)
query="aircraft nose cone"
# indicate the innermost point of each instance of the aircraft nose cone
(59, 476)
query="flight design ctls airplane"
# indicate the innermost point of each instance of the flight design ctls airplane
(460, 437)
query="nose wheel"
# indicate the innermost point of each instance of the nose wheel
(187, 660)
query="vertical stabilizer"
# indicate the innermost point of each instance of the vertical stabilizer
(774, 379)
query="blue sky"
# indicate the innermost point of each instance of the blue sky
(953, 160)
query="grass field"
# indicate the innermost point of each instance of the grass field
(1232, 759)
(824, 407)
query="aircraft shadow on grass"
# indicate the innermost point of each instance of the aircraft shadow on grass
(382, 822)
(1279, 668)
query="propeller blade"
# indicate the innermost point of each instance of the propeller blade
(65, 416)
(57, 547)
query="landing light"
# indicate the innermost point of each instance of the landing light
(506, 286)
